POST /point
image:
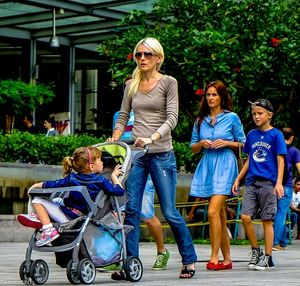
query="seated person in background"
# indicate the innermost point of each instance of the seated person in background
(295, 206)
(27, 120)
(49, 124)
(197, 212)
(87, 164)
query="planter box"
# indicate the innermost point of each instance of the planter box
(15, 181)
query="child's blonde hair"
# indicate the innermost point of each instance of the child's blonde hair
(81, 159)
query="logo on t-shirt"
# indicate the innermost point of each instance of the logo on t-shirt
(259, 155)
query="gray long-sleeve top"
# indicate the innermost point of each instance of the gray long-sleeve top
(154, 111)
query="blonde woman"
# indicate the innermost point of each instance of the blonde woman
(153, 97)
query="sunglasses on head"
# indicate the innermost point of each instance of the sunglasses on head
(262, 103)
(147, 55)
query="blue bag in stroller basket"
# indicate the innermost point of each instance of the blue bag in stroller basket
(104, 242)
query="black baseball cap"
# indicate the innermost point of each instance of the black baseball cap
(264, 103)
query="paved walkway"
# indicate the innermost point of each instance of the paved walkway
(287, 270)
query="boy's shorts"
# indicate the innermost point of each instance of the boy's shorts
(260, 197)
(147, 211)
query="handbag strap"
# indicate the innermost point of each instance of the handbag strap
(240, 150)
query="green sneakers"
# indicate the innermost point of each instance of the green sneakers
(161, 261)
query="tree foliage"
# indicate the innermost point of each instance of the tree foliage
(253, 46)
(17, 96)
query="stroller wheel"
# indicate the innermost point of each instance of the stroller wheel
(133, 268)
(39, 271)
(25, 276)
(72, 274)
(86, 271)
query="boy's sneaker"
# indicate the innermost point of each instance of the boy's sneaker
(256, 253)
(47, 236)
(30, 220)
(161, 261)
(265, 263)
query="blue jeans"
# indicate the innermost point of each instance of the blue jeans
(283, 205)
(162, 168)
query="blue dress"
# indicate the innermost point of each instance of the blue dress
(217, 169)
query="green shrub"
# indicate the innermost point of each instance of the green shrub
(24, 147)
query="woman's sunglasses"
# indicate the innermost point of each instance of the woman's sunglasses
(147, 55)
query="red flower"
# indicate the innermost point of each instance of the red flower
(199, 92)
(237, 69)
(275, 42)
(129, 57)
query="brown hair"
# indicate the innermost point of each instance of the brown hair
(82, 158)
(222, 91)
(287, 132)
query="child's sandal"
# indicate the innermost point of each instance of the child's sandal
(187, 273)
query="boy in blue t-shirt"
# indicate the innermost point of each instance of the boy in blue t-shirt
(266, 149)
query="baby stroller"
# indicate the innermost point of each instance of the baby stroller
(94, 240)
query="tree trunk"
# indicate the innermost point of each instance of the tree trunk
(9, 122)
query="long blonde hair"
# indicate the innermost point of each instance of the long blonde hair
(82, 158)
(155, 46)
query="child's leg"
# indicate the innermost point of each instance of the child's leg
(268, 209)
(249, 230)
(42, 213)
(44, 210)
(250, 207)
(48, 210)
(269, 235)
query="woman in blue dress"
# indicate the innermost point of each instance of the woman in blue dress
(218, 132)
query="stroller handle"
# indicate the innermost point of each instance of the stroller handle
(136, 152)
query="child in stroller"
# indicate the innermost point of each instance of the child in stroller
(84, 241)
(86, 161)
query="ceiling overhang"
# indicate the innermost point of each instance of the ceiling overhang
(78, 22)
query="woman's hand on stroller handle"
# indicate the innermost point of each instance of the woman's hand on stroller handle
(142, 142)
(115, 136)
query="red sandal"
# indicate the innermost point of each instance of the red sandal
(219, 266)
